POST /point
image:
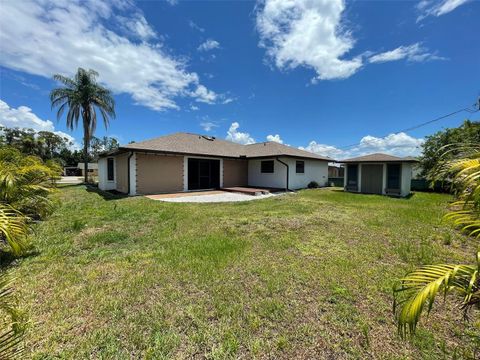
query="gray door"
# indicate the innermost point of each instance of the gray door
(372, 179)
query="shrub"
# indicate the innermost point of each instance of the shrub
(313, 185)
(25, 183)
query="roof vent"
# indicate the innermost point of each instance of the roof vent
(209, 138)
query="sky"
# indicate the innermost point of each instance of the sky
(339, 78)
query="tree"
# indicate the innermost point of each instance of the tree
(419, 288)
(83, 96)
(434, 146)
(104, 144)
(45, 144)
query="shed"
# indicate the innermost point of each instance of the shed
(379, 174)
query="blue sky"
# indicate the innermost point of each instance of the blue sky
(313, 74)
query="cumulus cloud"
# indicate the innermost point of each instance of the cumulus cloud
(313, 34)
(23, 117)
(412, 53)
(307, 33)
(202, 94)
(437, 8)
(275, 138)
(47, 37)
(208, 45)
(399, 144)
(239, 137)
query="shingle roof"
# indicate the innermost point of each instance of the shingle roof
(271, 148)
(194, 144)
(378, 157)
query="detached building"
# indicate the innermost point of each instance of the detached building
(379, 174)
(188, 162)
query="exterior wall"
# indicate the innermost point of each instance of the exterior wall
(103, 183)
(406, 179)
(133, 174)
(121, 176)
(315, 170)
(158, 173)
(235, 173)
(277, 179)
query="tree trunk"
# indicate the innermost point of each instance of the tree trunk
(86, 142)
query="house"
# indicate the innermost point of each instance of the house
(335, 171)
(188, 162)
(78, 170)
(92, 168)
(379, 174)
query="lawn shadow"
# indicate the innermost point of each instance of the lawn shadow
(409, 196)
(108, 194)
(7, 258)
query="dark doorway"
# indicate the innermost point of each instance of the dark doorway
(372, 179)
(203, 174)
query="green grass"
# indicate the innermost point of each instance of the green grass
(307, 275)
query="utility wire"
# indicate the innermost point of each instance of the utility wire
(472, 109)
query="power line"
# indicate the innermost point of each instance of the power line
(472, 109)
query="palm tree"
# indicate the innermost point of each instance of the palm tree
(83, 96)
(419, 288)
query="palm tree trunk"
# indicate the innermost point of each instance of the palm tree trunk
(86, 143)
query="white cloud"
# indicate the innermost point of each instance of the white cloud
(172, 2)
(399, 144)
(23, 117)
(275, 138)
(208, 45)
(194, 108)
(202, 94)
(46, 37)
(236, 136)
(137, 25)
(208, 125)
(194, 26)
(413, 53)
(307, 33)
(437, 7)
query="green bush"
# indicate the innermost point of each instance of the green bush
(313, 185)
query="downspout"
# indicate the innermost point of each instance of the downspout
(288, 172)
(128, 171)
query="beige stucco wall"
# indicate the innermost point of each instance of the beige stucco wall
(159, 173)
(235, 173)
(121, 163)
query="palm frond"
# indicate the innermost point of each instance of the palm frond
(13, 228)
(419, 288)
(11, 336)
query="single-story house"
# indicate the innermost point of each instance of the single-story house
(379, 174)
(92, 168)
(78, 170)
(187, 162)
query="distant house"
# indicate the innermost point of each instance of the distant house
(188, 162)
(379, 174)
(335, 171)
(92, 168)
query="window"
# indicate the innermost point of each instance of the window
(352, 175)
(267, 166)
(110, 173)
(300, 167)
(393, 176)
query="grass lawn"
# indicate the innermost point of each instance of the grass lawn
(306, 275)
